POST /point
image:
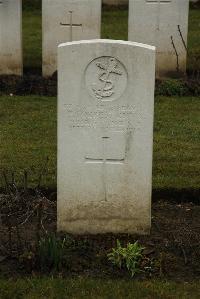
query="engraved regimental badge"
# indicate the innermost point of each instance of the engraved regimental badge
(106, 78)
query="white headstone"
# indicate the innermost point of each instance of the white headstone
(164, 24)
(11, 37)
(105, 133)
(66, 21)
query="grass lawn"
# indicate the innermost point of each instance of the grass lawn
(95, 289)
(32, 39)
(28, 136)
(194, 40)
(114, 26)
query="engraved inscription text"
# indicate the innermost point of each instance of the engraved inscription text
(116, 118)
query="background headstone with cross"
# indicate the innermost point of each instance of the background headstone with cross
(11, 62)
(105, 135)
(66, 21)
(164, 24)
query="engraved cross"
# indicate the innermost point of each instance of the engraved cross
(71, 25)
(104, 161)
(159, 2)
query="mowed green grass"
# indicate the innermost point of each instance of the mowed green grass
(176, 143)
(28, 137)
(80, 288)
(194, 40)
(32, 39)
(114, 26)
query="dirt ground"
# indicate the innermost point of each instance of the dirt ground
(173, 246)
(35, 84)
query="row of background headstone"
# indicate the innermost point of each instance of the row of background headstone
(163, 23)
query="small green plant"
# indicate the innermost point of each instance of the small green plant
(51, 252)
(27, 260)
(128, 257)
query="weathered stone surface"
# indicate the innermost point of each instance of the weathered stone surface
(11, 37)
(105, 133)
(65, 21)
(164, 24)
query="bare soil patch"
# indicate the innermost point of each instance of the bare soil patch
(173, 246)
